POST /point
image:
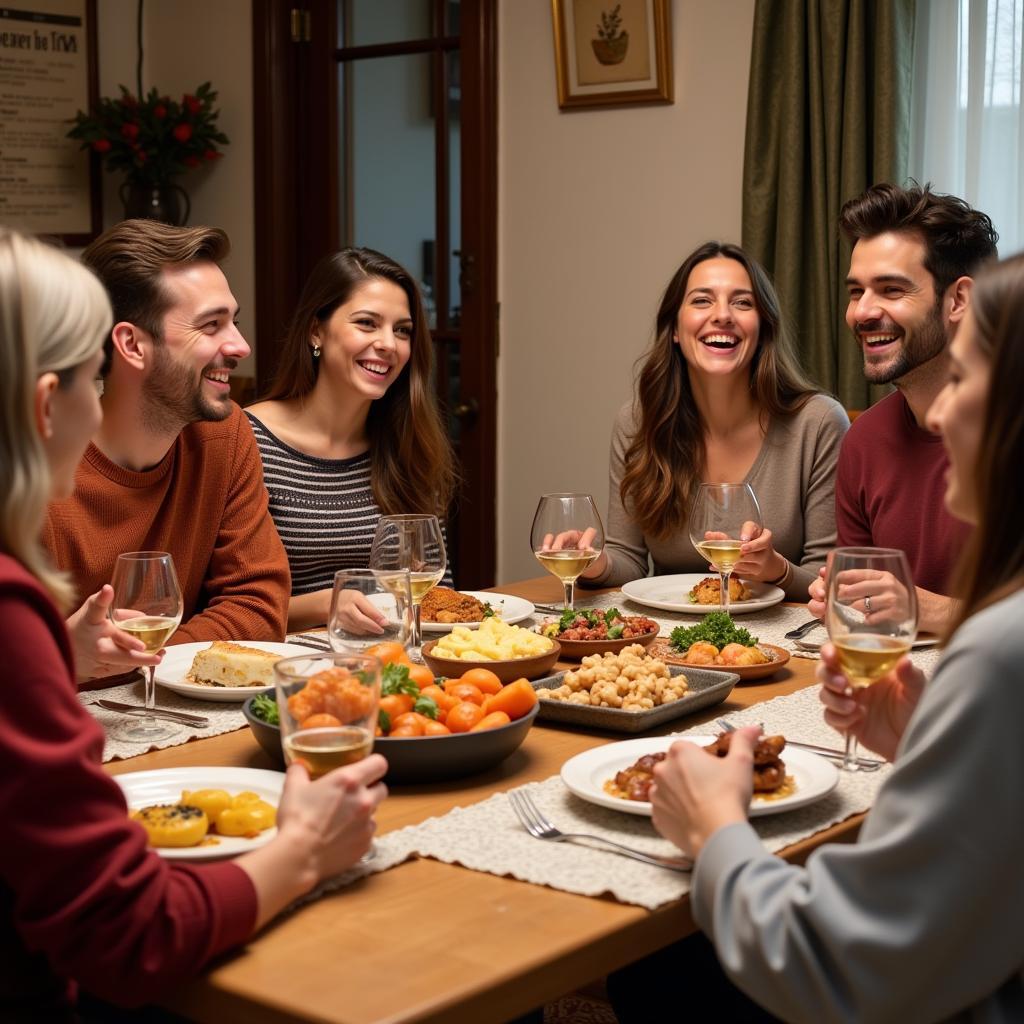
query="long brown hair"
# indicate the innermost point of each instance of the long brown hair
(997, 307)
(411, 463)
(665, 458)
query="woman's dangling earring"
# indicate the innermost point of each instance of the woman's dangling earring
(316, 350)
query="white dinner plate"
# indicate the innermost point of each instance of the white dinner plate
(813, 640)
(178, 660)
(586, 773)
(507, 607)
(164, 786)
(671, 594)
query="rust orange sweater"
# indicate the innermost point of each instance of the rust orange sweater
(205, 503)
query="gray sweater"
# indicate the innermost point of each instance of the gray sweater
(921, 920)
(793, 478)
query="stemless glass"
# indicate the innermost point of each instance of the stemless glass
(871, 615)
(720, 513)
(566, 536)
(148, 605)
(412, 542)
(328, 708)
(349, 629)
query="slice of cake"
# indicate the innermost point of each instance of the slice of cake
(227, 664)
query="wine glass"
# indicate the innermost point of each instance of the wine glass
(412, 542)
(567, 535)
(349, 629)
(327, 705)
(147, 604)
(871, 615)
(719, 514)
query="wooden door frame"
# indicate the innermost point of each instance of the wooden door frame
(295, 166)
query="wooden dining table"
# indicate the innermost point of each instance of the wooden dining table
(428, 941)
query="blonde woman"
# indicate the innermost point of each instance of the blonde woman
(84, 899)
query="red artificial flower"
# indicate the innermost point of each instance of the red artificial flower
(140, 155)
(191, 161)
(160, 111)
(129, 101)
(191, 104)
(182, 132)
(130, 130)
(212, 154)
(101, 145)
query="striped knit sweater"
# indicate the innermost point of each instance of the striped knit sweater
(323, 508)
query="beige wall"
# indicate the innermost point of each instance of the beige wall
(187, 42)
(596, 210)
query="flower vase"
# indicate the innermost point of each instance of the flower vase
(155, 202)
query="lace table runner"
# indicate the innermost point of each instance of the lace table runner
(487, 836)
(222, 718)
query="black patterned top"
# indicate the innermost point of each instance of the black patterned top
(324, 510)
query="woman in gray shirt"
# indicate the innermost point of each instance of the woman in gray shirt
(921, 919)
(721, 398)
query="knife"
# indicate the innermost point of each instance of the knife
(198, 721)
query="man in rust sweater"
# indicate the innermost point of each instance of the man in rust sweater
(174, 466)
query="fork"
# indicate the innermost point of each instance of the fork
(801, 631)
(540, 828)
(867, 764)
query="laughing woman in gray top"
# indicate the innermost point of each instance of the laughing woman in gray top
(721, 398)
(920, 920)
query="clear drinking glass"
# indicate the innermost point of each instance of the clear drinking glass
(358, 592)
(148, 605)
(412, 542)
(871, 615)
(720, 513)
(328, 708)
(566, 536)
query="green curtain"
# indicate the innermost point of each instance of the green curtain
(828, 114)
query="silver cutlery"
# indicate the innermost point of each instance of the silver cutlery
(550, 609)
(801, 631)
(540, 828)
(866, 764)
(318, 641)
(137, 711)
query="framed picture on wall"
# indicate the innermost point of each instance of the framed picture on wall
(612, 52)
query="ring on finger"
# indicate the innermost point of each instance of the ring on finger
(867, 604)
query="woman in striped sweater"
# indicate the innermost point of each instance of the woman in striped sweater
(350, 430)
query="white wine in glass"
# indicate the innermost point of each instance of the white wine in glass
(342, 702)
(717, 520)
(871, 615)
(567, 536)
(414, 543)
(148, 605)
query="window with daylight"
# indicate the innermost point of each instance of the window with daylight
(968, 119)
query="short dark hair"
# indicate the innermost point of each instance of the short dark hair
(129, 259)
(958, 239)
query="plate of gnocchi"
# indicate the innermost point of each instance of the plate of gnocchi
(214, 789)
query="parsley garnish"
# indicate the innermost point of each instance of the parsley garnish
(264, 707)
(715, 628)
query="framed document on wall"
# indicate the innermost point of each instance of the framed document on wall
(48, 184)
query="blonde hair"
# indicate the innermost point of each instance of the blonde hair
(54, 315)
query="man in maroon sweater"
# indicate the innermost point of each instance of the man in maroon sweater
(910, 278)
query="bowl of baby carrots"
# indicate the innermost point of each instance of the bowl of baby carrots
(433, 728)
